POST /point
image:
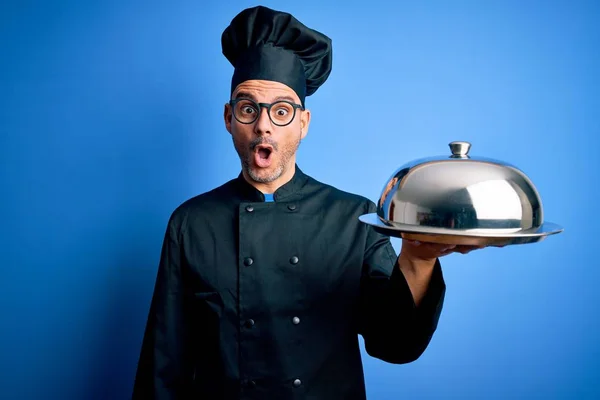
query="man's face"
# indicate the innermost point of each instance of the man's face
(267, 151)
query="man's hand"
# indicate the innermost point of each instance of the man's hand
(417, 260)
(428, 252)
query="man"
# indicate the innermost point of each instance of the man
(265, 282)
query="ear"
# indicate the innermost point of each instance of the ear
(227, 117)
(304, 123)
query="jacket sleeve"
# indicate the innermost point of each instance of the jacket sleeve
(162, 373)
(393, 328)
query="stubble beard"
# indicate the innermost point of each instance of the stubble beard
(246, 156)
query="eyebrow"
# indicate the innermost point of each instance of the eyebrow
(288, 98)
(244, 94)
(249, 96)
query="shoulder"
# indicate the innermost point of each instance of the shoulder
(340, 198)
(212, 202)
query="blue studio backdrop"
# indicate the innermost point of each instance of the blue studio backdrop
(111, 116)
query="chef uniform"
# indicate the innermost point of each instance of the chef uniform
(264, 297)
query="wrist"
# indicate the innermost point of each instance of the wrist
(416, 265)
(417, 272)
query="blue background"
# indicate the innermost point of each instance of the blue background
(111, 116)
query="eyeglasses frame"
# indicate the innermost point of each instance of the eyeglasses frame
(268, 106)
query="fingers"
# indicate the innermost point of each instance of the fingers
(447, 251)
(433, 250)
(438, 249)
(464, 251)
(468, 249)
(443, 248)
(436, 246)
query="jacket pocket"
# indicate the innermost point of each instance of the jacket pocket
(208, 304)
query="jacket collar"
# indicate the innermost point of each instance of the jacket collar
(250, 193)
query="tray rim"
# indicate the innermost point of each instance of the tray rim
(546, 229)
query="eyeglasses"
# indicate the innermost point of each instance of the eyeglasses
(281, 112)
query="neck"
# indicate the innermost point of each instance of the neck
(271, 187)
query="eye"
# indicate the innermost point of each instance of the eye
(248, 109)
(282, 112)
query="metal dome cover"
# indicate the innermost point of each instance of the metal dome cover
(461, 199)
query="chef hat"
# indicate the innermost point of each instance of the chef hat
(265, 44)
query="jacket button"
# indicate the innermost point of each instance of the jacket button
(248, 261)
(291, 207)
(249, 323)
(294, 260)
(249, 208)
(295, 320)
(297, 382)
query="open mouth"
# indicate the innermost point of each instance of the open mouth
(264, 152)
(262, 155)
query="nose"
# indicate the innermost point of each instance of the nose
(263, 124)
